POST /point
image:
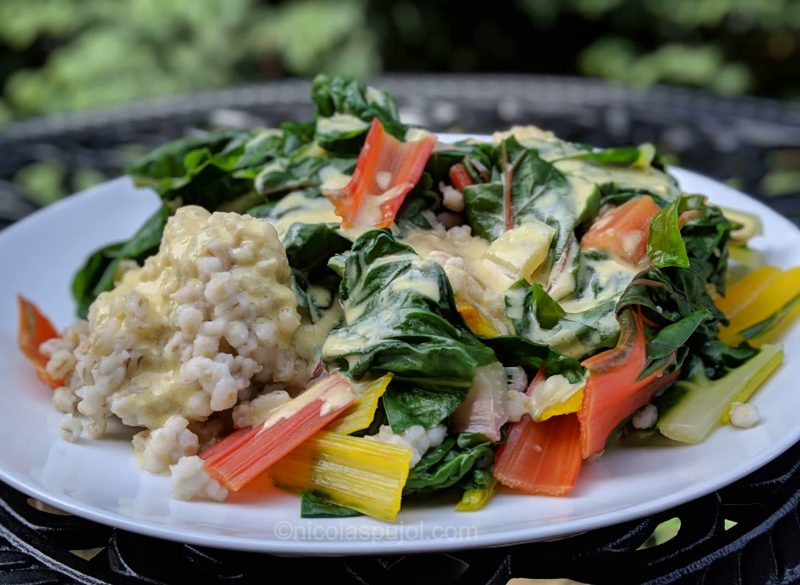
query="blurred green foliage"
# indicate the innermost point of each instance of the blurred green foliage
(60, 55)
(76, 54)
(727, 46)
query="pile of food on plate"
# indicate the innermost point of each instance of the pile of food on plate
(367, 314)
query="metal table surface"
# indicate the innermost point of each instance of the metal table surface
(739, 141)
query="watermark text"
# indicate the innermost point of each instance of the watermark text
(331, 530)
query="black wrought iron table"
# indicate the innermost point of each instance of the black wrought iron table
(751, 143)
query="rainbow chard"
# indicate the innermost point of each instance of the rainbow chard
(387, 170)
(485, 408)
(400, 318)
(696, 407)
(524, 188)
(244, 454)
(358, 473)
(541, 458)
(34, 329)
(620, 381)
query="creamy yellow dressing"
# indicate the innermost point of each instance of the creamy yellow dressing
(153, 395)
(472, 249)
(369, 329)
(547, 144)
(415, 280)
(562, 283)
(611, 276)
(338, 123)
(641, 178)
(297, 208)
(319, 295)
(416, 134)
(369, 214)
(309, 337)
(373, 325)
(591, 281)
(333, 179)
(489, 272)
(477, 282)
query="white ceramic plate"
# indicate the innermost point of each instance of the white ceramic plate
(101, 481)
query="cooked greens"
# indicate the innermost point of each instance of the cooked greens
(401, 318)
(524, 186)
(315, 506)
(345, 107)
(528, 250)
(101, 270)
(464, 461)
(407, 405)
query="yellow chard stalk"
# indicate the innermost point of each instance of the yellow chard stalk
(760, 305)
(357, 472)
(360, 415)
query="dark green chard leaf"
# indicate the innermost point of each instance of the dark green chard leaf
(513, 351)
(250, 150)
(538, 317)
(300, 202)
(297, 134)
(228, 171)
(539, 192)
(416, 211)
(298, 171)
(94, 277)
(665, 245)
(345, 107)
(407, 406)
(549, 147)
(540, 306)
(164, 168)
(675, 335)
(676, 299)
(315, 506)
(616, 197)
(315, 294)
(671, 340)
(477, 158)
(641, 157)
(147, 238)
(401, 318)
(98, 273)
(308, 249)
(722, 356)
(234, 171)
(463, 461)
(558, 183)
(197, 171)
(599, 277)
(706, 234)
(310, 245)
